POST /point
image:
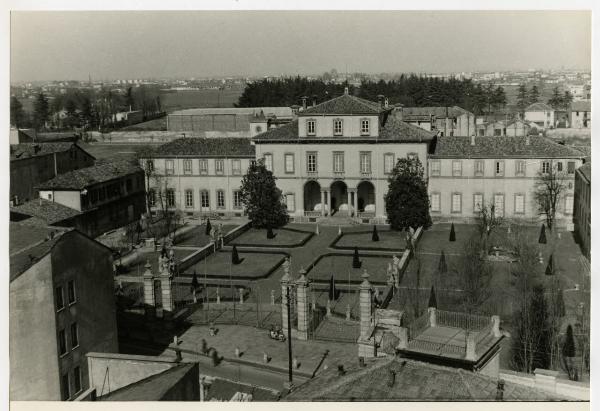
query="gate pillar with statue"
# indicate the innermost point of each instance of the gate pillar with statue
(302, 306)
(158, 288)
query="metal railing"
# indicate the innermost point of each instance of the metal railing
(437, 348)
(312, 214)
(418, 326)
(462, 320)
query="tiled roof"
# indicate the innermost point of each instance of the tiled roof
(439, 112)
(224, 390)
(394, 129)
(153, 388)
(345, 104)
(48, 211)
(206, 147)
(85, 177)
(539, 107)
(581, 105)
(586, 170)
(414, 381)
(26, 150)
(501, 147)
(267, 111)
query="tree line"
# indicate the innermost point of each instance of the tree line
(558, 100)
(85, 108)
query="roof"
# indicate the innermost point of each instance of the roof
(28, 244)
(345, 104)
(207, 147)
(586, 171)
(393, 129)
(439, 112)
(539, 107)
(27, 150)
(414, 381)
(502, 147)
(48, 211)
(224, 390)
(268, 111)
(581, 105)
(85, 177)
(153, 388)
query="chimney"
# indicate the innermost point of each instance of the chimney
(472, 140)
(380, 99)
(500, 390)
(346, 90)
(314, 100)
(304, 98)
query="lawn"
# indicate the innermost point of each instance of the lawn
(284, 237)
(197, 237)
(388, 240)
(340, 266)
(255, 265)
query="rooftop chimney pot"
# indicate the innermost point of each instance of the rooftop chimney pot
(314, 100)
(346, 90)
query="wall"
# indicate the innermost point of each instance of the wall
(583, 212)
(208, 122)
(123, 369)
(561, 387)
(581, 119)
(70, 199)
(351, 125)
(545, 117)
(33, 348)
(187, 388)
(90, 265)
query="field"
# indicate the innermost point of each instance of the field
(254, 265)
(340, 266)
(181, 100)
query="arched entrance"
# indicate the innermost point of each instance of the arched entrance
(312, 195)
(366, 197)
(339, 196)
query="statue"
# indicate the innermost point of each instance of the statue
(286, 266)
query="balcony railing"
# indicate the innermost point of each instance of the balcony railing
(338, 174)
(312, 214)
(312, 174)
(437, 348)
(365, 214)
(462, 320)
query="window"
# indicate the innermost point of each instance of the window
(338, 161)
(269, 161)
(497, 132)
(74, 336)
(220, 199)
(569, 204)
(435, 202)
(187, 166)
(62, 342)
(170, 166)
(203, 166)
(365, 162)
(289, 163)
(170, 197)
(311, 162)
(479, 167)
(149, 165)
(152, 197)
(435, 167)
(481, 132)
(66, 391)
(290, 201)
(571, 167)
(499, 205)
(237, 199)
(499, 168)
(519, 204)
(311, 126)
(338, 128)
(236, 167)
(77, 379)
(219, 166)
(71, 292)
(388, 163)
(477, 202)
(456, 202)
(204, 199)
(456, 168)
(545, 167)
(60, 301)
(520, 167)
(189, 198)
(364, 127)
(559, 166)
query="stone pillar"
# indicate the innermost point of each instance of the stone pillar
(328, 307)
(355, 202)
(329, 201)
(348, 312)
(365, 305)
(349, 203)
(322, 203)
(471, 354)
(302, 305)
(167, 292)
(241, 291)
(272, 297)
(218, 296)
(403, 338)
(432, 317)
(148, 287)
(285, 282)
(313, 300)
(496, 326)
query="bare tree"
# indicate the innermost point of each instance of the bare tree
(487, 222)
(474, 275)
(550, 188)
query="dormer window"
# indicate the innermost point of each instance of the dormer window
(338, 127)
(365, 129)
(311, 127)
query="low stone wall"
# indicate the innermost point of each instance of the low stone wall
(548, 381)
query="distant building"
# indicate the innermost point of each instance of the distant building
(541, 114)
(466, 173)
(581, 114)
(61, 306)
(130, 117)
(34, 163)
(108, 195)
(583, 208)
(513, 128)
(446, 121)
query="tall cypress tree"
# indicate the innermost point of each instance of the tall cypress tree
(208, 227)
(41, 111)
(432, 299)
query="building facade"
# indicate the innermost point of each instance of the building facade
(541, 114)
(583, 209)
(466, 173)
(446, 121)
(581, 114)
(61, 306)
(516, 128)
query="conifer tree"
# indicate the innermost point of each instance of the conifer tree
(208, 227)
(356, 260)
(235, 259)
(432, 299)
(375, 236)
(542, 238)
(452, 233)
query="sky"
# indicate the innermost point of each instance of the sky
(134, 44)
